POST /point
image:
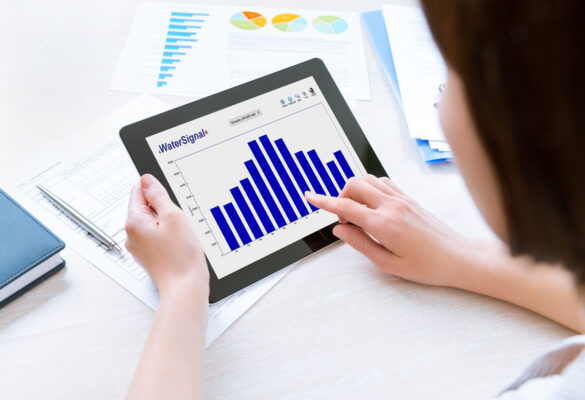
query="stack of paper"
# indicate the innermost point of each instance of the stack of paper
(416, 72)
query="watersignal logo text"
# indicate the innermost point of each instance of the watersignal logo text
(183, 140)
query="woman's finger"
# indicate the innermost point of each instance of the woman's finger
(137, 205)
(388, 182)
(361, 191)
(345, 208)
(363, 243)
(156, 195)
(380, 185)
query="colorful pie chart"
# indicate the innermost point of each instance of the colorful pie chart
(248, 20)
(289, 22)
(330, 24)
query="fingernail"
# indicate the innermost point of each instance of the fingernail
(146, 180)
(337, 233)
(313, 195)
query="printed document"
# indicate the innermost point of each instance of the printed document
(196, 50)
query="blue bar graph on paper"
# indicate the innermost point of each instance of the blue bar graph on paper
(257, 204)
(265, 193)
(177, 40)
(180, 30)
(173, 53)
(184, 27)
(166, 68)
(294, 169)
(237, 223)
(176, 47)
(344, 164)
(188, 15)
(261, 205)
(336, 174)
(183, 20)
(309, 172)
(272, 181)
(183, 34)
(225, 228)
(284, 177)
(246, 212)
(323, 173)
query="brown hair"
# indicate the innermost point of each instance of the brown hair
(522, 63)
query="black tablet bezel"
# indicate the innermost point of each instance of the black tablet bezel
(134, 138)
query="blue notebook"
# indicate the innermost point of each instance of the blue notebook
(29, 252)
(376, 27)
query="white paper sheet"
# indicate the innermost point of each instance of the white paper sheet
(98, 185)
(197, 50)
(439, 145)
(420, 70)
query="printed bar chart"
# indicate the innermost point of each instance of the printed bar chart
(281, 182)
(182, 29)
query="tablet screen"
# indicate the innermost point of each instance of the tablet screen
(240, 173)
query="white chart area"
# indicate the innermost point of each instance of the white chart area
(287, 141)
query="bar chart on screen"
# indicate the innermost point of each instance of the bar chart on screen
(261, 220)
(244, 193)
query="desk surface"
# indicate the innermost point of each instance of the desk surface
(335, 327)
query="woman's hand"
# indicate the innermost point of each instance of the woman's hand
(403, 239)
(160, 238)
(162, 241)
(393, 231)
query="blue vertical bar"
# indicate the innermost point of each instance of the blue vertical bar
(336, 174)
(183, 20)
(323, 173)
(237, 223)
(188, 15)
(265, 167)
(182, 34)
(225, 228)
(257, 178)
(173, 53)
(309, 172)
(246, 212)
(258, 207)
(288, 183)
(344, 164)
(184, 27)
(176, 40)
(289, 160)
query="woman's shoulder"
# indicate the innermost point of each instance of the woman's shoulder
(558, 373)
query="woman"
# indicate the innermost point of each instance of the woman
(513, 113)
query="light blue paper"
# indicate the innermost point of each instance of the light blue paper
(376, 27)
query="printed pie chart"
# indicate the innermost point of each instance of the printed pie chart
(289, 22)
(248, 20)
(330, 24)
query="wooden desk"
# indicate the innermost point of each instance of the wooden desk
(335, 327)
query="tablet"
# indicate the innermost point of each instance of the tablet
(238, 163)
